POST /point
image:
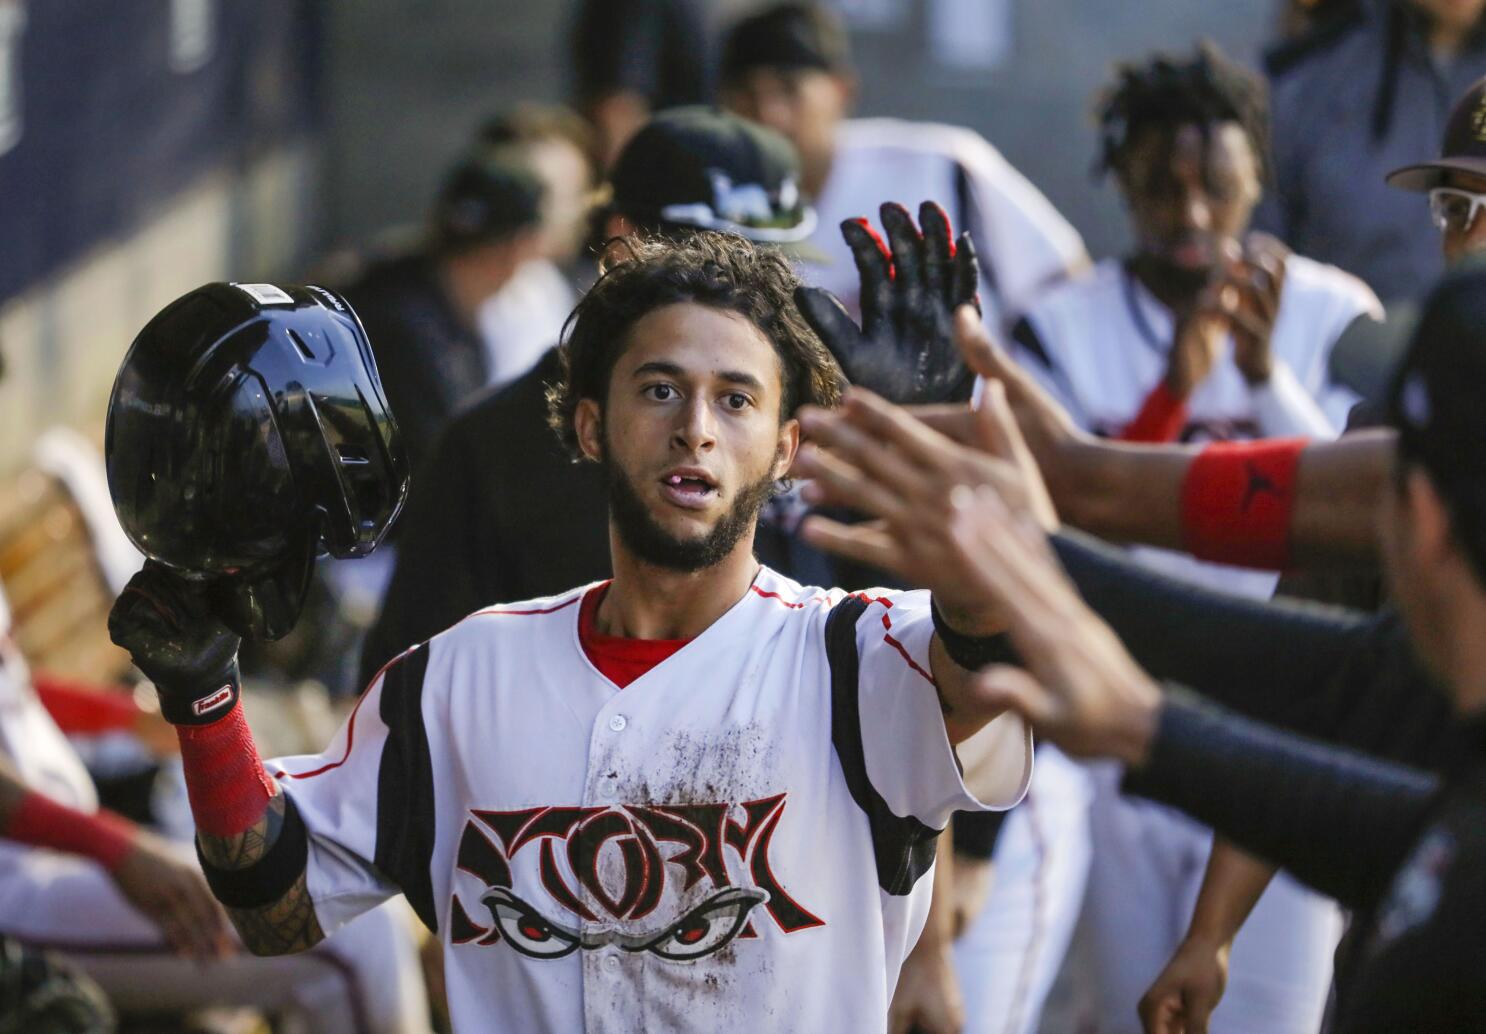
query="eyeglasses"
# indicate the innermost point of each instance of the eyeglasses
(1455, 209)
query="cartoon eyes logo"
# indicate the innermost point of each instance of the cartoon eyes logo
(707, 928)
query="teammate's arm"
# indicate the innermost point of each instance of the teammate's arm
(168, 892)
(1191, 985)
(252, 843)
(1160, 495)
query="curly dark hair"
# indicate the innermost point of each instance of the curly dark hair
(713, 269)
(1168, 91)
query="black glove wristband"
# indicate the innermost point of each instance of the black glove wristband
(973, 652)
(202, 705)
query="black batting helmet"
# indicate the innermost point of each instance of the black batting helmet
(247, 433)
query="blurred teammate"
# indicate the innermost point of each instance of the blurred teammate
(1367, 90)
(1203, 332)
(421, 309)
(633, 58)
(521, 320)
(789, 67)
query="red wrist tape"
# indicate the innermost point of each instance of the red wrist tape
(1236, 502)
(1161, 418)
(225, 780)
(42, 822)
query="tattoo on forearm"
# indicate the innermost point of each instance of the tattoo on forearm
(247, 847)
(286, 926)
(289, 924)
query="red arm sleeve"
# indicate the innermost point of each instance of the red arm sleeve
(86, 710)
(1161, 418)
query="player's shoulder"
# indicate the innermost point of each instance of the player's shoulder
(776, 592)
(1085, 292)
(935, 141)
(1321, 283)
(505, 622)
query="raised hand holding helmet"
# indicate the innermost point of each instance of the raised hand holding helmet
(168, 626)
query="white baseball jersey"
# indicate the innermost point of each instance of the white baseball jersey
(1022, 241)
(1099, 342)
(739, 840)
(40, 753)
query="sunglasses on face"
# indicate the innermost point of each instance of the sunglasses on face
(1454, 209)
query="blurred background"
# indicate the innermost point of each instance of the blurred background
(147, 146)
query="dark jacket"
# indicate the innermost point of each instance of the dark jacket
(500, 513)
(1355, 100)
(431, 361)
(1403, 849)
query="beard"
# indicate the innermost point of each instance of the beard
(644, 536)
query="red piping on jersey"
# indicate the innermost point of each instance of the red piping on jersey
(784, 602)
(351, 721)
(523, 613)
(887, 637)
(350, 725)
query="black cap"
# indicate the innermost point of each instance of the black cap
(702, 168)
(1463, 149)
(485, 200)
(787, 36)
(1435, 396)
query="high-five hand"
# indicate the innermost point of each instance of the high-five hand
(971, 526)
(905, 349)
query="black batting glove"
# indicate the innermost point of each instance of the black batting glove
(168, 627)
(905, 348)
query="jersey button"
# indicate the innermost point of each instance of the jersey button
(611, 962)
(617, 723)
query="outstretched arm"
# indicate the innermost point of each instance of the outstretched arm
(1339, 821)
(166, 890)
(1161, 495)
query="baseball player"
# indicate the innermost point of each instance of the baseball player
(789, 67)
(1201, 333)
(698, 796)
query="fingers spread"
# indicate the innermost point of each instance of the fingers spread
(977, 348)
(874, 267)
(908, 260)
(835, 483)
(966, 290)
(887, 424)
(939, 252)
(828, 318)
(872, 456)
(956, 420)
(862, 543)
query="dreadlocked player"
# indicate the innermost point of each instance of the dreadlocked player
(1203, 332)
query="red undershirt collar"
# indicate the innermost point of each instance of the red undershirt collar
(618, 658)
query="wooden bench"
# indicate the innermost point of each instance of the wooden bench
(59, 596)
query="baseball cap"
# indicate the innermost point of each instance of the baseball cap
(484, 200)
(787, 36)
(707, 169)
(1463, 149)
(1434, 397)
